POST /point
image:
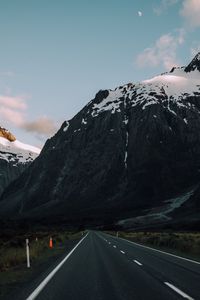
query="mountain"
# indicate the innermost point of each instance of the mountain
(14, 157)
(130, 157)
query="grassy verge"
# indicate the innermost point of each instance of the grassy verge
(185, 244)
(13, 269)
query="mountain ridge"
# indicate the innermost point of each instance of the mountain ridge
(15, 156)
(129, 150)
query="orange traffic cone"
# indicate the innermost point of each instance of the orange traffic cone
(50, 243)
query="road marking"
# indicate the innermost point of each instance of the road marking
(122, 252)
(114, 246)
(109, 243)
(184, 295)
(36, 292)
(187, 259)
(137, 262)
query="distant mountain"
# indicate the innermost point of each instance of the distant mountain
(14, 157)
(130, 157)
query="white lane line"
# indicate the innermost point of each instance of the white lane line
(122, 252)
(184, 295)
(137, 262)
(167, 253)
(114, 246)
(40, 287)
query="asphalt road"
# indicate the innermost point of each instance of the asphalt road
(103, 267)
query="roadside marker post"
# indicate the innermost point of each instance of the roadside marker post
(50, 243)
(27, 253)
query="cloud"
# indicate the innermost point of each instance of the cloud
(191, 12)
(164, 5)
(43, 125)
(163, 52)
(13, 111)
(10, 115)
(13, 102)
(140, 13)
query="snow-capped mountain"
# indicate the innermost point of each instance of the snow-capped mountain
(132, 153)
(169, 90)
(14, 157)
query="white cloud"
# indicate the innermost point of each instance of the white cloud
(12, 116)
(43, 125)
(140, 13)
(13, 102)
(163, 52)
(163, 6)
(191, 12)
(13, 111)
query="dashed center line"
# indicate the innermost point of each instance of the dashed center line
(137, 262)
(171, 286)
(174, 288)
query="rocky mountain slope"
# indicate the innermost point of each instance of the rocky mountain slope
(14, 157)
(132, 152)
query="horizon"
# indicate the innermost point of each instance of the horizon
(57, 56)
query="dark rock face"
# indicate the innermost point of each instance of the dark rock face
(9, 172)
(194, 65)
(125, 152)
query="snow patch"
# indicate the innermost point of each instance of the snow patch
(126, 151)
(159, 213)
(17, 151)
(66, 127)
(169, 90)
(84, 121)
(112, 102)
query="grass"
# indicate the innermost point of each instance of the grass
(13, 251)
(182, 243)
(13, 270)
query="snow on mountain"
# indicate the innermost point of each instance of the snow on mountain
(170, 88)
(15, 157)
(17, 151)
(176, 84)
(128, 152)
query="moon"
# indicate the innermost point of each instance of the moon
(140, 13)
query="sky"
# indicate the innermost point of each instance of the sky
(57, 54)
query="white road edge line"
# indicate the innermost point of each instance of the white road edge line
(40, 287)
(137, 262)
(184, 295)
(122, 252)
(187, 259)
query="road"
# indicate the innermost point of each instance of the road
(103, 267)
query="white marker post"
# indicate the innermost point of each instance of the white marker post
(117, 234)
(27, 253)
